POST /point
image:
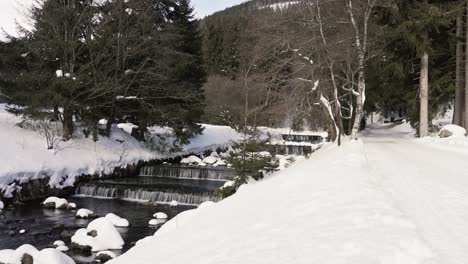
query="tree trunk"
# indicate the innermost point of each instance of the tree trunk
(465, 112)
(360, 99)
(459, 91)
(424, 96)
(67, 122)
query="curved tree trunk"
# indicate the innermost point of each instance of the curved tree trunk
(424, 96)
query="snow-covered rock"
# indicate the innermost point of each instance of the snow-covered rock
(160, 215)
(192, 160)
(452, 131)
(210, 160)
(22, 231)
(174, 203)
(45, 256)
(117, 220)
(62, 248)
(55, 202)
(72, 206)
(153, 222)
(52, 256)
(1, 205)
(59, 243)
(106, 236)
(85, 213)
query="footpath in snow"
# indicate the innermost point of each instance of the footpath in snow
(387, 199)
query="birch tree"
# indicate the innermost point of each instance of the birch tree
(361, 37)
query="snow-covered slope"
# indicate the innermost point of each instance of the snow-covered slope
(328, 209)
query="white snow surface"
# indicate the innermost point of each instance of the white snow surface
(386, 199)
(117, 220)
(107, 236)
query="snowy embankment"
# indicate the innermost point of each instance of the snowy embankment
(324, 210)
(25, 156)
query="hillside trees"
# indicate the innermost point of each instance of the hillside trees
(126, 61)
(418, 38)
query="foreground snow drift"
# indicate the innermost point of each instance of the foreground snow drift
(324, 210)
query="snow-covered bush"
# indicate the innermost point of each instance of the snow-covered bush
(51, 131)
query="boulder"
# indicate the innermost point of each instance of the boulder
(452, 131)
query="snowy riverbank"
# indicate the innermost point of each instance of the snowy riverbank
(24, 154)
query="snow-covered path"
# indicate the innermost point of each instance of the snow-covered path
(428, 182)
(386, 199)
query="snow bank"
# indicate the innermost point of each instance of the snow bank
(452, 131)
(324, 210)
(45, 256)
(107, 236)
(117, 220)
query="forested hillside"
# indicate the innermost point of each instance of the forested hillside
(264, 58)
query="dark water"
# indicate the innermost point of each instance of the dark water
(45, 226)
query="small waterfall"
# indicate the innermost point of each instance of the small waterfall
(188, 172)
(303, 138)
(146, 193)
(294, 150)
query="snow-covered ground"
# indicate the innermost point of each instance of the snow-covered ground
(387, 199)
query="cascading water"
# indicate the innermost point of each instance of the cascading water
(163, 184)
(297, 144)
(188, 172)
(144, 194)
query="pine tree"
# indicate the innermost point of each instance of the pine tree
(413, 29)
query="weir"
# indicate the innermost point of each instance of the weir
(188, 172)
(297, 144)
(162, 184)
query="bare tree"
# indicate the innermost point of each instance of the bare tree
(361, 37)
